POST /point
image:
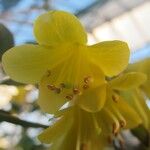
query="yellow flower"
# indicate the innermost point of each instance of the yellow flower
(143, 66)
(77, 128)
(95, 131)
(63, 65)
(113, 86)
(138, 96)
(116, 110)
(136, 99)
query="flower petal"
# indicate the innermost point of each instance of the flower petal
(128, 81)
(57, 27)
(66, 142)
(26, 63)
(142, 66)
(93, 100)
(60, 128)
(142, 101)
(50, 100)
(111, 56)
(131, 116)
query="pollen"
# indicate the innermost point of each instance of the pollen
(88, 79)
(76, 91)
(115, 97)
(85, 86)
(69, 96)
(122, 123)
(51, 87)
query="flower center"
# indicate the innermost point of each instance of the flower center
(72, 91)
(75, 74)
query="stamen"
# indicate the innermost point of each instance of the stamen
(122, 123)
(58, 90)
(51, 87)
(115, 97)
(48, 73)
(88, 79)
(85, 86)
(76, 91)
(115, 130)
(62, 85)
(115, 123)
(96, 125)
(69, 97)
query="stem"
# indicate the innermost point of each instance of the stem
(5, 116)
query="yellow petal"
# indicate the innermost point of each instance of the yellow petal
(135, 103)
(144, 67)
(66, 142)
(28, 63)
(111, 56)
(57, 27)
(142, 109)
(50, 99)
(131, 116)
(58, 129)
(100, 143)
(128, 81)
(93, 100)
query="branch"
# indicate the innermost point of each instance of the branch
(4, 116)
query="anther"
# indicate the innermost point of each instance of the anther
(115, 98)
(115, 129)
(48, 73)
(69, 97)
(88, 79)
(122, 123)
(62, 85)
(51, 87)
(58, 90)
(85, 86)
(76, 91)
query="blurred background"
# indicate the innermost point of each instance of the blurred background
(127, 20)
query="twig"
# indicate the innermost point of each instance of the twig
(4, 116)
